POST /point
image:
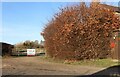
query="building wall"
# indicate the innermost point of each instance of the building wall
(6, 49)
(115, 51)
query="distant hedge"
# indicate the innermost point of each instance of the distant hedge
(80, 32)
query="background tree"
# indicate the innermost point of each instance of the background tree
(28, 45)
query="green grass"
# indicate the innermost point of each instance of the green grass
(95, 62)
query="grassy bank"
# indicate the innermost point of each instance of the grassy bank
(95, 62)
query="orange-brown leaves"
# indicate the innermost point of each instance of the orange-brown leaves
(81, 32)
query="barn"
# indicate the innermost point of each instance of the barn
(5, 49)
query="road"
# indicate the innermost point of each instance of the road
(38, 66)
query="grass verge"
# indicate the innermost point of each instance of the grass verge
(95, 62)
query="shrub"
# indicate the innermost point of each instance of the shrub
(80, 32)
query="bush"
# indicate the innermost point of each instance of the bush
(80, 32)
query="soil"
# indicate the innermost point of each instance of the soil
(38, 66)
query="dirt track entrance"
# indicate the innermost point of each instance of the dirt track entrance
(37, 66)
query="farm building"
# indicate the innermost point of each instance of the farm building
(116, 38)
(5, 48)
